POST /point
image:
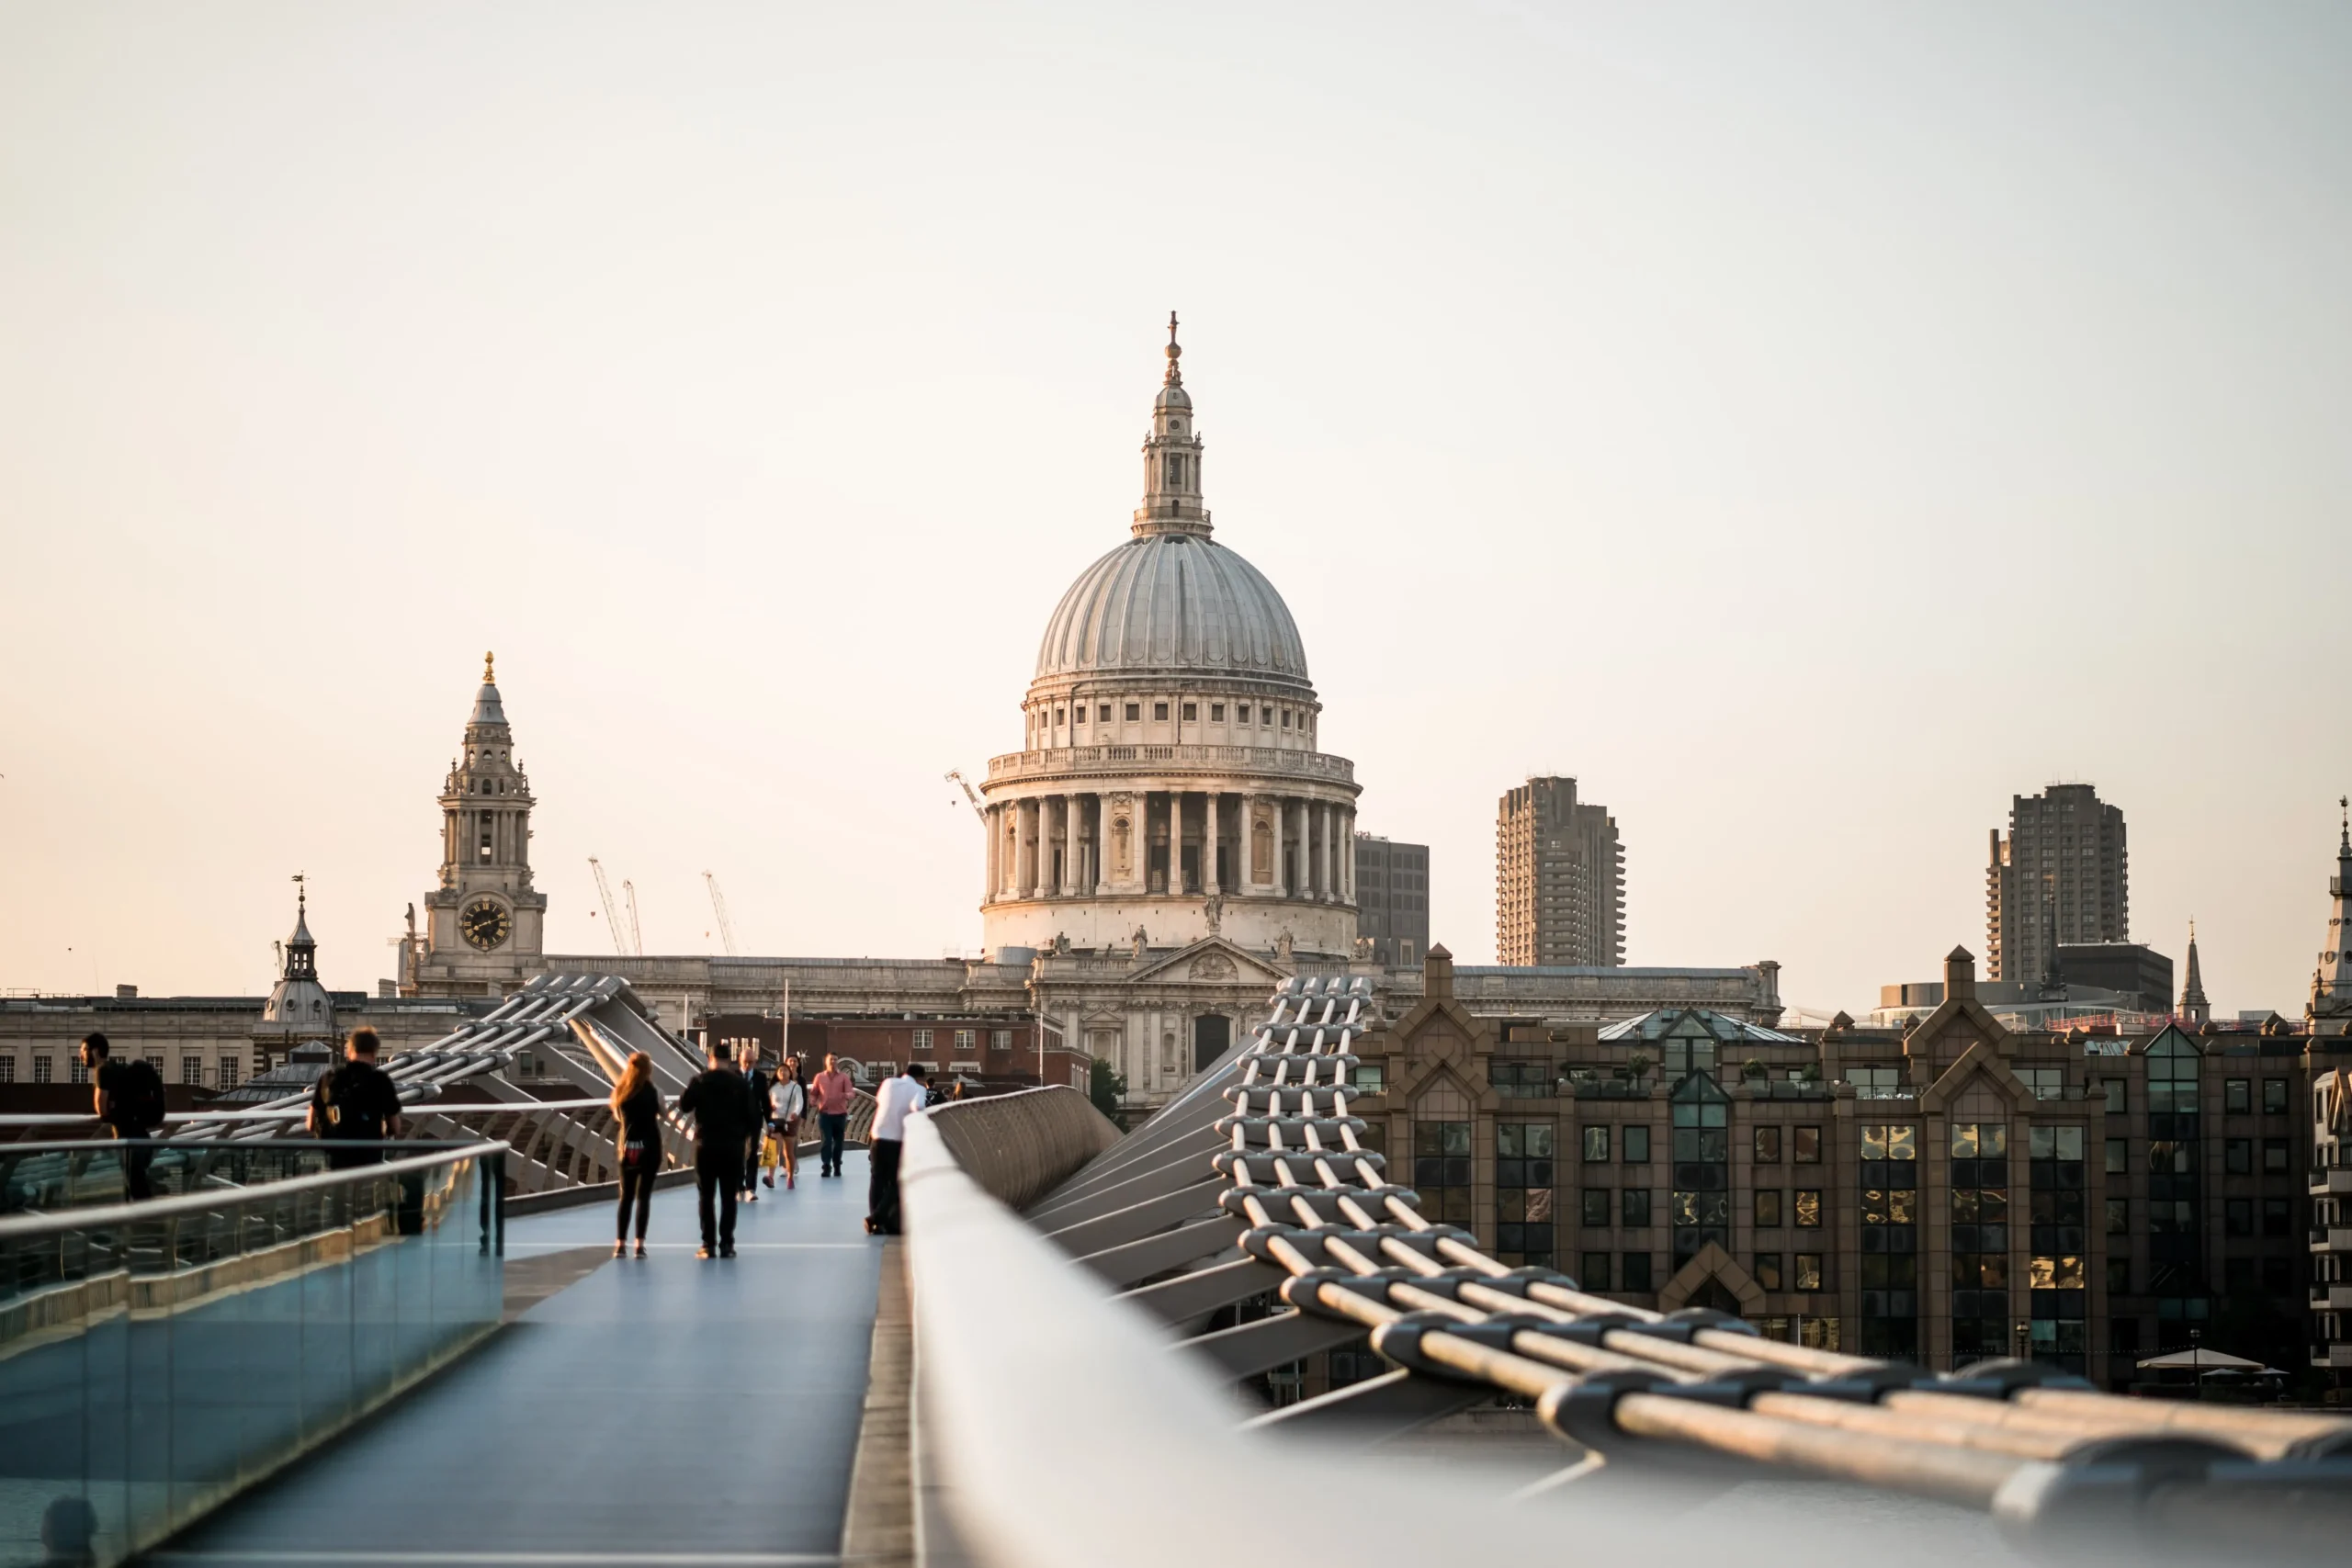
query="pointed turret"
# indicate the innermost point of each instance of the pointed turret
(2330, 1012)
(1171, 456)
(299, 1007)
(2193, 1005)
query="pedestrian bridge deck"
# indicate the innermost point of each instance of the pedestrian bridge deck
(671, 1411)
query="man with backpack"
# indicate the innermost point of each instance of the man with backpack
(720, 1102)
(128, 1098)
(355, 1103)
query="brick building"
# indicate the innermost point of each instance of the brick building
(1943, 1193)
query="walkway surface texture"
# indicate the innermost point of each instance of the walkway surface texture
(672, 1411)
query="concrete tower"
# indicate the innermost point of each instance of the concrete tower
(484, 925)
(1559, 878)
(2062, 875)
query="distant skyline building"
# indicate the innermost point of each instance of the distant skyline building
(2061, 877)
(1559, 878)
(1392, 901)
(2330, 1009)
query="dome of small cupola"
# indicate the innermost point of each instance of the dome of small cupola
(1172, 598)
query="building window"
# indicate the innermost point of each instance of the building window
(1808, 1277)
(42, 1066)
(1134, 712)
(2118, 1275)
(2273, 1157)
(1594, 1275)
(1103, 714)
(1980, 1240)
(1890, 1231)
(1596, 1208)
(1000, 1040)
(1636, 1266)
(1596, 1146)
(921, 1041)
(2113, 1089)
(231, 1072)
(1523, 1080)
(1442, 1169)
(1807, 1145)
(967, 1039)
(1285, 718)
(2237, 1156)
(2118, 1216)
(1808, 1206)
(1523, 1178)
(1634, 1208)
(2237, 1217)
(1767, 1146)
(2274, 1097)
(1637, 1145)
(1701, 1201)
(2237, 1097)
(1058, 717)
(2275, 1214)
(80, 1070)
(1192, 712)
(1159, 711)
(1216, 713)
(2056, 1273)
(192, 1069)
(1769, 1214)
(1241, 713)
(1768, 1271)
(7, 1070)
(2119, 1160)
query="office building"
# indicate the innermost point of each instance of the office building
(1392, 901)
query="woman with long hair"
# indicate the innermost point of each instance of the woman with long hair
(638, 1105)
(786, 1104)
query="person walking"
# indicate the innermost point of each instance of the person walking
(720, 1103)
(747, 1062)
(638, 1105)
(897, 1100)
(787, 1103)
(831, 1091)
(355, 1103)
(128, 1096)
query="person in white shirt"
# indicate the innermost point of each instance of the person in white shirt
(893, 1102)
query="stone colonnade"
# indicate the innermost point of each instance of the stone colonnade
(1242, 844)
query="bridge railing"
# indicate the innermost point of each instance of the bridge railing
(1020, 1146)
(1249, 1226)
(156, 1358)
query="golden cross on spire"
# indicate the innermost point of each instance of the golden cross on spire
(1175, 352)
(489, 669)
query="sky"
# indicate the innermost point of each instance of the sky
(1809, 426)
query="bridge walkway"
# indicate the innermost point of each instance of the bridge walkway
(672, 1412)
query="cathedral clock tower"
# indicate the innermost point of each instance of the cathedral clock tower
(484, 928)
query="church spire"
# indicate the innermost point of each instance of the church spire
(2330, 1009)
(2193, 1005)
(1171, 456)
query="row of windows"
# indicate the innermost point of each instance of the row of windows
(1266, 716)
(967, 1040)
(1802, 1144)
(230, 1074)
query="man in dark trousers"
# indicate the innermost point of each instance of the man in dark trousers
(720, 1102)
(897, 1100)
(355, 1103)
(128, 1098)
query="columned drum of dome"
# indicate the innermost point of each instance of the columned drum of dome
(1170, 787)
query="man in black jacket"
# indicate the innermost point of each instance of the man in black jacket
(720, 1102)
(355, 1103)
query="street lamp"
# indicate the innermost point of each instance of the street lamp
(2023, 1331)
(2197, 1361)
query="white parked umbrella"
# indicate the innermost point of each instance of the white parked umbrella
(2198, 1360)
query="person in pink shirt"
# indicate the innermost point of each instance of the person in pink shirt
(831, 1091)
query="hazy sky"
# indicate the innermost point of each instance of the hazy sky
(1809, 426)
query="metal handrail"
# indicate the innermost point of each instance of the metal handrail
(148, 1209)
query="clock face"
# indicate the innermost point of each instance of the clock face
(485, 923)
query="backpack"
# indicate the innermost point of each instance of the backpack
(139, 1095)
(363, 1123)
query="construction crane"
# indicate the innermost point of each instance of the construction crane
(719, 904)
(636, 948)
(955, 775)
(612, 913)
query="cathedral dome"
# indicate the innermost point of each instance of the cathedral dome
(1172, 602)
